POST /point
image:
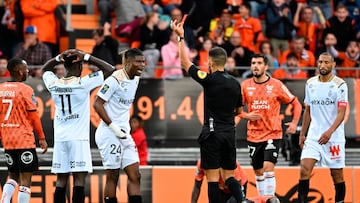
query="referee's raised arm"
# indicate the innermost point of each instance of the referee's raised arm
(178, 28)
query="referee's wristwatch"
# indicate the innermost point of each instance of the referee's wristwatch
(180, 38)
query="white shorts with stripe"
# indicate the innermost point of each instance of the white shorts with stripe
(72, 156)
(331, 154)
(115, 153)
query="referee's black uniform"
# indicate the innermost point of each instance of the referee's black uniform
(222, 95)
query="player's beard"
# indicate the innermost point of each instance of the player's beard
(257, 74)
(324, 72)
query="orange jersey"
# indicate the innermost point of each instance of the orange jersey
(347, 63)
(247, 29)
(16, 129)
(265, 98)
(239, 174)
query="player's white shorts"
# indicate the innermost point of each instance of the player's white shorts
(115, 153)
(72, 156)
(331, 154)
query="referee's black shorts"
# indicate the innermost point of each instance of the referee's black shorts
(218, 149)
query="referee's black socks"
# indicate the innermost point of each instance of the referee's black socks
(235, 189)
(214, 192)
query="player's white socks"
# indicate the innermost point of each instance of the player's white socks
(270, 183)
(8, 190)
(260, 185)
(24, 194)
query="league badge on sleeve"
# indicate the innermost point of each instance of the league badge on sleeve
(201, 74)
(94, 74)
(104, 89)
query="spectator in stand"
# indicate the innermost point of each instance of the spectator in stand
(153, 35)
(170, 57)
(303, 20)
(60, 71)
(203, 56)
(129, 15)
(33, 50)
(324, 6)
(11, 28)
(306, 57)
(258, 7)
(35, 80)
(266, 48)
(106, 47)
(279, 25)
(41, 14)
(290, 70)
(152, 5)
(343, 27)
(233, 5)
(4, 73)
(170, 5)
(240, 54)
(176, 14)
(230, 67)
(248, 27)
(239, 174)
(353, 6)
(139, 137)
(349, 59)
(221, 29)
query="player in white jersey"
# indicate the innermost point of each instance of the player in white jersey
(326, 99)
(71, 95)
(116, 146)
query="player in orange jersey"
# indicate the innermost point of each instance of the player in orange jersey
(239, 174)
(263, 95)
(18, 120)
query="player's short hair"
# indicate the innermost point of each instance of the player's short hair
(132, 53)
(328, 54)
(15, 62)
(218, 56)
(263, 56)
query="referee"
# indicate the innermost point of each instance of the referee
(222, 98)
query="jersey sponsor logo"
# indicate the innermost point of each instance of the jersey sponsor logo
(342, 104)
(201, 74)
(325, 102)
(9, 159)
(69, 117)
(104, 89)
(94, 74)
(335, 151)
(10, 125)
(27, 157)
(260, 104)
(7, 93)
